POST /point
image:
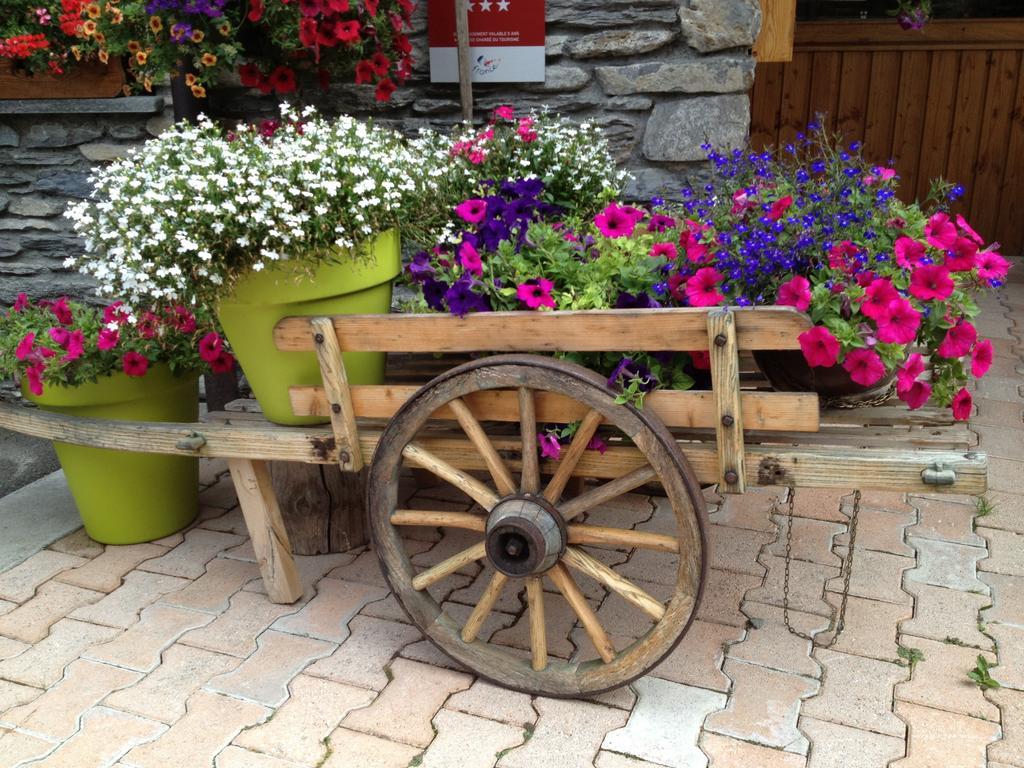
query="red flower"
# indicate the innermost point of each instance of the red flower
(931, 281)
(307, 34)
(347, 31)
(981, 358)
(20, 302)
(689, 241)
(916, 395)
(114, 313)
(899, 324)
(107, 339)
(183, 320)
(940, 232)
(62, 311)
(384, 90)
(968, 230)
(250, 75)
(820, 347)
(795, 293)
(958, 341)
(864, 366)
(310, 7)
(364, 71)
(877, 298)
(134, 364)
(907, 374)
(222, 363)
(841, 256)
(668, 250)
(325, 36)
(255, 10)
(148, 325)
(338, 6)
(909, 252)
(779, 207)
(24, 348)
(992, 266)
(210, 346)
(370, 6)
(701, 359)
(34, 373)
(962, 405)
(961, 257)
(702, 288)
(282, 79)
(380, 63)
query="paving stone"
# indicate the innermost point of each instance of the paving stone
(839, 746)
(171, 540)
(327, 615)
(1005, 475)
(20, 582)
(857, 692)
(941, 613)
(456, 731)
(938, 738)
(1007, 598)
(140, 646)
(264, 676)
(1010, 748)
(19, 747)
(426, 652)
(629, 510)
(403, 710)
(232, 521)
(495, 703)
(812, 539)
(78, 544)
(724, 591)
(387, 609)
(189, 558)
(234, 632)
(243, 551)
(311, 569)
(509, 601)
(105, 572)
(1007, 512)
(161, 695)
(999, 441)
(945, 521)
(453, 541)
(736, 549)
(1010, 644)
(664, 726)
(211, 469)
(870, 628)
(365, 569)
(220, 494)
(210, 724)
(1006, 552)
(299, 729)
(212, 591)
(236, 757)
(881, 530)
(751, 510)
(942, 564)
(10, 648)
(15, 695)
(106, 735)
(733, 753)
(606, 759)
(763, 707)
(697, 660)
(568, 734)
(876, 575)
(620, 698)
(43, 664)
(361, 659)
(940, 680)
(650, 566)
(769, 644)
(821, 504)
(559, 618)
(121, 608)
(352, 749)
(806, 587)
(30, 622)
(55, 714)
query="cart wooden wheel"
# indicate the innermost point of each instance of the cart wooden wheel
(529, 538)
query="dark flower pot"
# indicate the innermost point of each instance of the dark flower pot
(788, 371)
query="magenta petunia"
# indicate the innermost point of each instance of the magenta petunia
(877, 297)
(60, 336)
(931, 281)
(21, 302)
(842, 256)
(550, 448)
(864, 366)
(907, 373)
(469, 258)
(223, 362)
(115, 313)
(209, 347)
(597, 444)
(899, 324)
(107, 339)
(24, 348)
(702, 288)
(689, 241)
(472, 210)
(909, 252)
(615, 221)
(34, 374)
(667, 250)
(961, 256)
(504, 112)
(968, 230)
(962, 405)
(74, 348)
(992, 266)
(820, 347)
(536, 293)
(958, 340)
(779, 207)
(916, 395)
(795, 293)
(981, 358)
(134, 364)
(62, 311)
(940, 232)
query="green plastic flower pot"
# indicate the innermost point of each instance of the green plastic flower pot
(347, 286)
(124, 497)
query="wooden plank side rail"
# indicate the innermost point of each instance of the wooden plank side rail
(589, 331)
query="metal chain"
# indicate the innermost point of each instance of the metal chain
(838, 622)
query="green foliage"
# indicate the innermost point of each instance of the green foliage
(911, 656)
(981, 674)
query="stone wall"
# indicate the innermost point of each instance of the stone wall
(661, 77)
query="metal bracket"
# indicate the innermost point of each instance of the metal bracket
(938, 473)
(193, 442)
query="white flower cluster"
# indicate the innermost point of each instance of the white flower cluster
(186, 214)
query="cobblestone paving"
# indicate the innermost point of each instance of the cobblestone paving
(168, 654)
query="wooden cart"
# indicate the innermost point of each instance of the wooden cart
(475, 427)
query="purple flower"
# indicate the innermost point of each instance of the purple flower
(640, 301)
(462, 300)
(433, 294)
(629, 370)
(660, 222)
(419, 268)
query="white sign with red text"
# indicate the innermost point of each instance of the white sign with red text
(506, 41)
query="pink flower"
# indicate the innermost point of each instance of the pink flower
(550, 448)
(107, 339)
(209, 347)
(868, 180)
(795, 293)
(702, 288)
(740, 201)
(820, 347)
(60, 336)
(615, 221)
(931, 281)
(472, 210)
(992, 266)
(525, 130)
(779, 208)
(877, 297)
(981, 358)
(916, 395)
(148, 325)
(74, 347)
(696, 251)
(134, 364)
(504, 112)
(469, 258)
(62, 311)
(536, 293)
(907, 374)
(841, 256)
(958, 341)
(477, 157)
(668, 250)
(864, 366)
(20, 302)
(223, 362)
(886, 173)
(597, 444)
(968, 230)
(701, 359)
(184, 320)
(899, 324)
(962, 405)
(940, 232)
(24, 348)
(34, 373)
(115, 314)
(961, 256)
(909, 252)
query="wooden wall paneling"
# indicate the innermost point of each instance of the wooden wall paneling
(854, 81)
(796, 93)
(1010, 227)
(764, 108)
(938, 119)
(966, 132)
(778, 25)
(825, 73)
(911, 98)
(995, 138)
(881, 107)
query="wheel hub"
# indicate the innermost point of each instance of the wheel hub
(525, 535)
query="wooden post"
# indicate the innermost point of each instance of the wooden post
(725, 383)
(465, 65)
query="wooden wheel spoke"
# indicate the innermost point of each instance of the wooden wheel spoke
(571, 591)
(599, 535)
(594, 568)
(480, 493)
(606, 492)
(471, 426)
(572, 455)
(439, 519)
(433, 575)
(538, 630)
(487, 600)
(528, 430)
